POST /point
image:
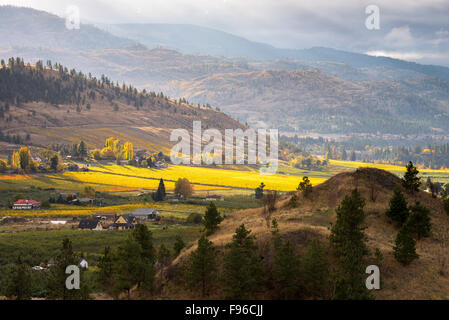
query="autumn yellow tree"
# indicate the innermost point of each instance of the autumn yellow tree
(129, 152)
(109, 142)
(15, 161)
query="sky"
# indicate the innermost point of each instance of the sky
(411, 30)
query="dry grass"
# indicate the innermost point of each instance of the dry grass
(425, 278)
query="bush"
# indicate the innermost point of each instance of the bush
(195, 218)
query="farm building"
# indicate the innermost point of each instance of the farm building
(84, 264)
(105, 215)
(23, 204)
(90, 224)
(146, 213)
(214, 197)
(124, 222)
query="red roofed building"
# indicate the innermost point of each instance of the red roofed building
(23, 204)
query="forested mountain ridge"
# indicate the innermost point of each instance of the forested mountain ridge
(309, 100)
(52, 104)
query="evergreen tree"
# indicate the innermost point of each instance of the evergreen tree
(398, 210)
(405, 247)
(286, 270)
(211, 219)
(202, 268)
(57, 279)
(242, 268)
(19, 285)
(411, 181)
(419, 221)
(105, 271)
(54, 162)
(145, 272)
(315, 273)
(349, 243)
(160, 193)
(163, 259)
(127, 266)
(82, 150)
(305, 186)
(179, 245)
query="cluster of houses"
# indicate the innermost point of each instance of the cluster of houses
(111, 221)
(44, 266)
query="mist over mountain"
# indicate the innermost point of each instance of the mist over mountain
(26, 27)
(318, 90)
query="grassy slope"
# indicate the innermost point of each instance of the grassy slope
(425, 278)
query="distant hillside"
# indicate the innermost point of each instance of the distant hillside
(317, 90)
(61, 106)
(196, 39)
(313, 101)
(26, 27)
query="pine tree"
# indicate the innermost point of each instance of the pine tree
(57, 279)
(419, 221)
(179, 245)
(349, 243)
(398, 210)
(315, 273)
(54, 162)
(242, 269)
(82, 150)
(202, 268)
(105, 271)
(211, 219)
(145, 272)
(405, 247)
(286, 270)
(160, 193)
(127, 266)
(163, 259)
(305, 186)
(19, 285)
(411, 181)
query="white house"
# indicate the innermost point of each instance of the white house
(84, 264)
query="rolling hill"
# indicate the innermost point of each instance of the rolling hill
(58, 106)
(425, 278)
(312, 101)
(317, 90)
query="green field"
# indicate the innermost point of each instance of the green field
(39, 246)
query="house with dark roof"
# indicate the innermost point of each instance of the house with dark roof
(90, 224)
(124, 222)
(105, 215)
